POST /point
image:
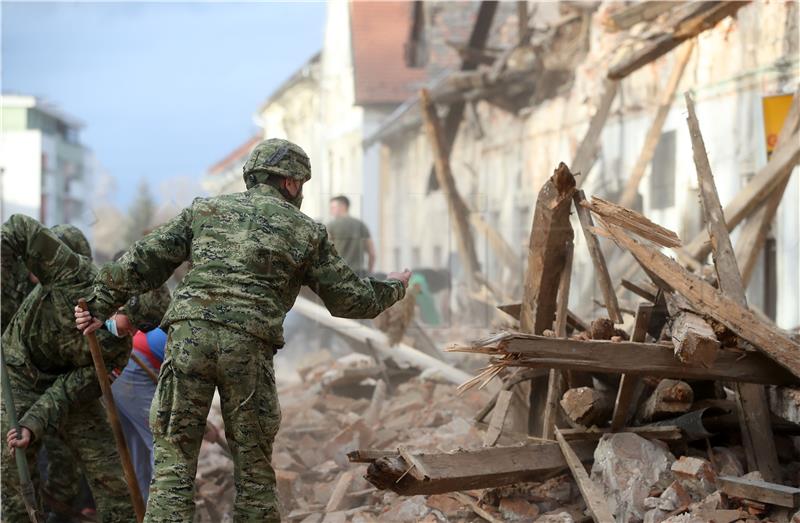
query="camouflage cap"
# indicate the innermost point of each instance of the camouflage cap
(73, 238)
(278, 157)
(146, 311)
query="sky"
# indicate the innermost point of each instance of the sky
(165, 89)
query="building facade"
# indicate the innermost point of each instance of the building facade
(500, 159)
(45, 171)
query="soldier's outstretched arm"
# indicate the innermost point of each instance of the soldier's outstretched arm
(145, 266)
(343, 292)
(45, 255)
(79, 384)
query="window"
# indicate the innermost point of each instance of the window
(438, 261)
(415, 257)
(662, 173)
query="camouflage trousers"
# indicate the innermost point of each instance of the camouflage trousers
(63, 483)
(86, 433)
(201, 356)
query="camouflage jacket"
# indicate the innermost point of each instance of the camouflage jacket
(41, 343)
(16, 285)
(249, 254)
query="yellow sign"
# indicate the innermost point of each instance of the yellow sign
(775, 110)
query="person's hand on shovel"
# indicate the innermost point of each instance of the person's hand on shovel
(85, 322)
(22, 442)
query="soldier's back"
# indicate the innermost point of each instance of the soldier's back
(249, 253)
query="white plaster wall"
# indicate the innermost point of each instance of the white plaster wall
(20, 159)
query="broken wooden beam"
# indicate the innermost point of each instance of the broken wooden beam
(455, 113)
(629, 358)
(588, 406)
(688, 21)
(470, 469)
(761, 491)
(550, 234)
(693, 338)
(633, 221)
(458, 210)
(670, 398)
(630, 15)
(757, 436)
(598, 259)
(498, 418)
(641, 289)
(592, 494)
(768, 338)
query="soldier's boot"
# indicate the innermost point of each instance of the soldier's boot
(178, 418)
(250, 408)
(88, 435)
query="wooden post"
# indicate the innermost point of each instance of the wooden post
(654, 133)
(555, 380)
(754, 417)
(598, 259)
(113, 419)
(629, 384)
(459, 212)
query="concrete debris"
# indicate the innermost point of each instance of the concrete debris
(629, 468)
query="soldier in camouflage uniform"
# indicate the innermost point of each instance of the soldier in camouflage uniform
(51, 371)
(63, 475)
(250, 253)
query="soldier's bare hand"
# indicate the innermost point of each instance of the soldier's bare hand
(85, 322)
(401, 276)
(22, 442)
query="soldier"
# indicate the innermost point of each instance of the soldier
(63, 483)
(51, 372)
(250, 253)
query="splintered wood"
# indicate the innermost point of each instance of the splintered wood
(633, 221)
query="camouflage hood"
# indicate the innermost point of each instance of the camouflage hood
(73, 238)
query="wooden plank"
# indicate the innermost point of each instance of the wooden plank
(643, 290)
(472, 469)
(689, 20)
(587, 150)
(498, 418)
(654, 132)
(339, 491)
(630, 387)
(693, 338)
(761, 491)
(459, 212)
(753, 409)
(665, 433)
(594, 496)
(550, 232)
(634, 358)
(633, 221)
(598, 259)
(588, 406)
(765, 336)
